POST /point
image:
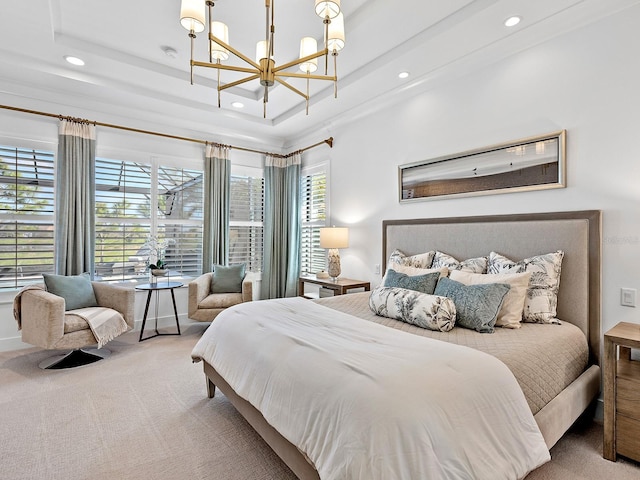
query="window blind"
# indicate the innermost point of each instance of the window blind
(245, 221)
(26, 216)
(313, 216)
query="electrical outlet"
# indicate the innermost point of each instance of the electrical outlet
(376, 269)
(628, 297)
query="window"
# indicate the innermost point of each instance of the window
(313, 201)
(136, 200)
(245, 217)
(26, 216)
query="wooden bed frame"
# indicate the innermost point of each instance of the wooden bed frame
(519, 236)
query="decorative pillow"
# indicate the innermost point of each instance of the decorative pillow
(477, 306)
(541, 302)
(227, 279)
(510, 315)
(420, 309)
(76, 290)
(421, 283)
(473, 265)
(422, 260)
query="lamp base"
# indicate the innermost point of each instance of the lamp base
(334, 264)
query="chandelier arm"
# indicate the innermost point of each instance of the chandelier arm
(307, 75)
(293, 89)
(238, 82)
(300, 60)
(221, 66)
(238, 54)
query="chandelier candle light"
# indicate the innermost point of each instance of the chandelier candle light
(334, 238)
(192, 17)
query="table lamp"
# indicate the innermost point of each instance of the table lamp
(334, 238)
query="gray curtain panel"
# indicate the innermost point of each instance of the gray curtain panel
(281, 227)
(75, 198)
(217, 186)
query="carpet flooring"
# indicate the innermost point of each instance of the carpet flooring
(143, 413)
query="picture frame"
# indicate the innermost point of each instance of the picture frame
(534, 163)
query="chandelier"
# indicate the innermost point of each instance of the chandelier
(192, 17)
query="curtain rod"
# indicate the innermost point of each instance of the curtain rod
(328, 141)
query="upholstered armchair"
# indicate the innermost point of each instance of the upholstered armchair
(207, 300)
(46, 322)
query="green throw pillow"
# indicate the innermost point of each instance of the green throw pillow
(477, 306)
(420, 283)
(227, 279)
(76, 290)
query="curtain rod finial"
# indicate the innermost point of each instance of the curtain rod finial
(329, 141)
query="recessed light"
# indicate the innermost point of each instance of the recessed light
(74, 60)
(512, 21)
(169, 51)
(237, 105)
(403, 74)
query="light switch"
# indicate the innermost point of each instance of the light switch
(628, 297)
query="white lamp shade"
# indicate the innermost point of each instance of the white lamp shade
(221, 31)
(308, 46)
(327, 8)
(334, 237)
(261, 50)
(335, 40)
(192, 14)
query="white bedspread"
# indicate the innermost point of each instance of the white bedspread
(364, 401)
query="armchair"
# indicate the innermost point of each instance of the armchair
(204, 306)
(45, 323)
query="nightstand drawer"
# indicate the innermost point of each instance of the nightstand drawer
(628, 437)
(628, 398)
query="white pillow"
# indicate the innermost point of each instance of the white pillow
(510, 314)
(425, 311)
(541, 302)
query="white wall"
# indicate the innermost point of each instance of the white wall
(587, 82)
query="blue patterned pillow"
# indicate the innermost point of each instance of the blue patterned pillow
(420, 309)
(421, 283)
(477, 306)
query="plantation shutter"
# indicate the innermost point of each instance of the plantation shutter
(245, 221)
(314, 216)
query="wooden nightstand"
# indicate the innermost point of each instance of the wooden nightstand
(339, 287)
(621, 392)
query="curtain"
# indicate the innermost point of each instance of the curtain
(281, 227)
(217, 185)
(75, 198)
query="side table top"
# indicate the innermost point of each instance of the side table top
(625, 332)
(159, 286)
(341, 281)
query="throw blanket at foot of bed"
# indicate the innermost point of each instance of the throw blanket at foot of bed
(364, 401)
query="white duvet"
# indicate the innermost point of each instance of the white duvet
(365, 401)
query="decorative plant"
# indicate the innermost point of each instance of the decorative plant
(157, 250)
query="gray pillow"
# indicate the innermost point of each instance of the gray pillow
(477, 306)
(76, 290)
(227, 279)
(420, 283)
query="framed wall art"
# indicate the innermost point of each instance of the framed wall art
(534, 163)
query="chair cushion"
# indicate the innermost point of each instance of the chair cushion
(221, 300)
(227, 279)
(74, 323)
(76, 290)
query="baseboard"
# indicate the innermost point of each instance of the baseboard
(12, 343)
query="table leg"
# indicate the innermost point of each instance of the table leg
(146, 311)
(175, 310)
(610, 367)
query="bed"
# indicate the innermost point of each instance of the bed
(556, 392)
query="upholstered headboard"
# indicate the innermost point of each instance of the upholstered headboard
(520, 236)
